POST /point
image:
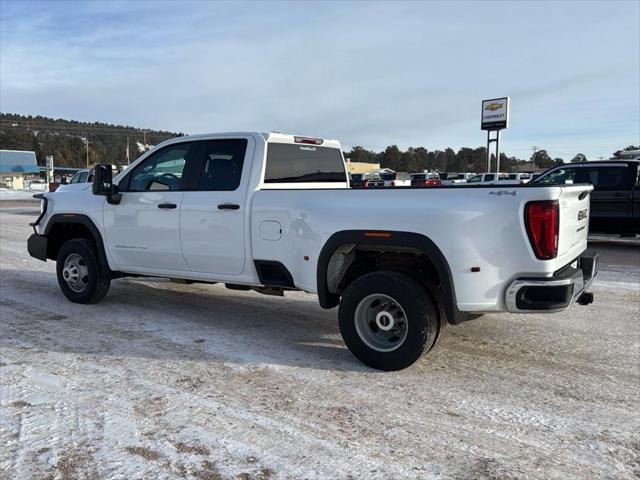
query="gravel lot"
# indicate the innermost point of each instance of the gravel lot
(162, 380)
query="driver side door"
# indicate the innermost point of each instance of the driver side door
(143, 230)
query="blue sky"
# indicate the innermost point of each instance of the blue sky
(366, 73)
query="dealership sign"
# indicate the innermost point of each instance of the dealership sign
(495, 114)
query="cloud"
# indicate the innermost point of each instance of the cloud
(367, 73)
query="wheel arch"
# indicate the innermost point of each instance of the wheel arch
(391, 241)
(63, 227)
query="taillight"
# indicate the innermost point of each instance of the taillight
(309, 140)
(393, 183)
(543, 225)
(365, 184)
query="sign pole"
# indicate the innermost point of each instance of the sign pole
(488, 151)
(498, 151)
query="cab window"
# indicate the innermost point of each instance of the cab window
(474, 179)
(162, 170)
(560, 176)
(79, 177)
(607, 178)
(222, 165)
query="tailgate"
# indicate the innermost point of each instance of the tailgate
(574, 221)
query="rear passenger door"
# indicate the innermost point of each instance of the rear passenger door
(212, 216)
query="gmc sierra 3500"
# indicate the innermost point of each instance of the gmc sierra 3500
(274, 212)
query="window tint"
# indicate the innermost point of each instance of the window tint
(163, 169)
(293, 163)
(560, 176)
(222, 164)
(79, 177)
(606, 178)
(419, 176)
(477, 178)
(490, 177)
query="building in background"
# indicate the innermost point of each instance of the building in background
(16, 166)
(361, 167)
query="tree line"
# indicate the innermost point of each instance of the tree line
(65, 140)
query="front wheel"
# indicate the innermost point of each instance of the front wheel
(80, 274)
(387, 320)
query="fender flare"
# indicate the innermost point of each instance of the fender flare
(397, 238)
(84, 220)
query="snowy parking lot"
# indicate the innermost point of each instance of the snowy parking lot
(163, 380)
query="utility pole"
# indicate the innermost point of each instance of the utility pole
(600, 158)
(86, 141)
(533, 158)
(128, 157)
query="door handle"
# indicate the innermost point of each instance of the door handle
(169, 206)
(228, 206)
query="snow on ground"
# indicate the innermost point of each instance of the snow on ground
(162, 380)
(7, 194)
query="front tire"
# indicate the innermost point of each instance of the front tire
(80, 274)
(387, 320)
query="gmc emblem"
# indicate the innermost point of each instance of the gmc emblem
(582, 214)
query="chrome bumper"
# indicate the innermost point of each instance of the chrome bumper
(552, 294)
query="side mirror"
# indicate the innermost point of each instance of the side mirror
(102, 180)
(103, 184)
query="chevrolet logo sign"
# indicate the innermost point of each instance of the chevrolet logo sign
(494, 106)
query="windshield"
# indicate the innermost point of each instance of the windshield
(293, 163)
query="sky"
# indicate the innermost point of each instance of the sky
(367, 73)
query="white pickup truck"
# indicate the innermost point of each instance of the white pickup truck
(273, 212)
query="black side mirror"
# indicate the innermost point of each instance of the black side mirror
(103, 184)
(102, 180)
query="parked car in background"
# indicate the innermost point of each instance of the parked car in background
(615, 199)
(357, 180)
(484, 178)
(373, 180)
(426, 179)
(38, 186)
(520, 177)
(453, 178)
(400, 179)
(81, 180)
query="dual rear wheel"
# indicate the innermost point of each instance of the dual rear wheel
(388, 320)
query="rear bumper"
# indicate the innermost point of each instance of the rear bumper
(552, 294)
(37, 246)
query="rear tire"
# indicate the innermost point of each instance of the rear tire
(80, 274)
(388, 320)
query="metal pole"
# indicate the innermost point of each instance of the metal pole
(87, 142)
(488, 152)
(498, 151)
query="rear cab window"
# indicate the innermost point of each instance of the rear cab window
(294, 165)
